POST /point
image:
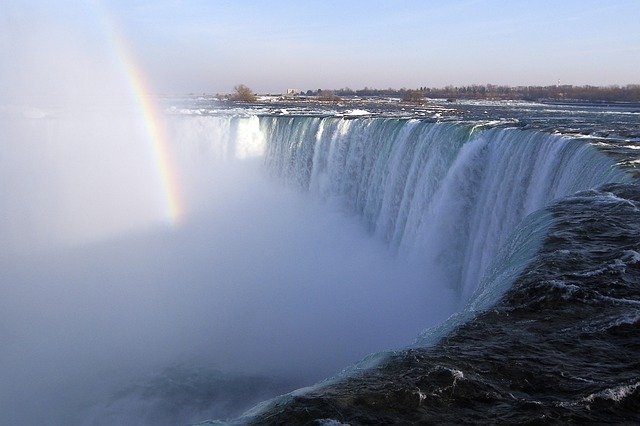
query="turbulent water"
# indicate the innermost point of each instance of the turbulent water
(561, 346)
(527, 240)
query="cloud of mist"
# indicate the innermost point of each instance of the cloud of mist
(267, 281)
(70, 176)
(259, 279)
(76, 160)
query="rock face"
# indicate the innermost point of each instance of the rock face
(561, 346)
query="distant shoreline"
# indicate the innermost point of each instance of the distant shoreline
(391, 101)
(628, 95)
(556, 93)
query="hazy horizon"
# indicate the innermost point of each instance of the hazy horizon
(197, 46)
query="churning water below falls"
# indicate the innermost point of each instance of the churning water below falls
(453, 271)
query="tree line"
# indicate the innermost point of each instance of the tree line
(615, 93)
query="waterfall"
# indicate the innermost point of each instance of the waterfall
(447, 195)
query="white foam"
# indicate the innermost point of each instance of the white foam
(616, 394)
(330, 422)
(356, 113)
(562, 285)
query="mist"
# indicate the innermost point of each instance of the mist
(258, 280)
(258, 289)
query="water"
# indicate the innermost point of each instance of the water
(560, 346)
(308, 242)
(444, 194)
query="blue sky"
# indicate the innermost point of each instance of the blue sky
(209, 46)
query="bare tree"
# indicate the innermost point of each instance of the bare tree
(414, 96)
(243, 94)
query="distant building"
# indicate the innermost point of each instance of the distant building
(291, 92)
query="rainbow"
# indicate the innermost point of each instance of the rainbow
(161, 149)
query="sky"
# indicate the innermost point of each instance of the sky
(210, 46)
